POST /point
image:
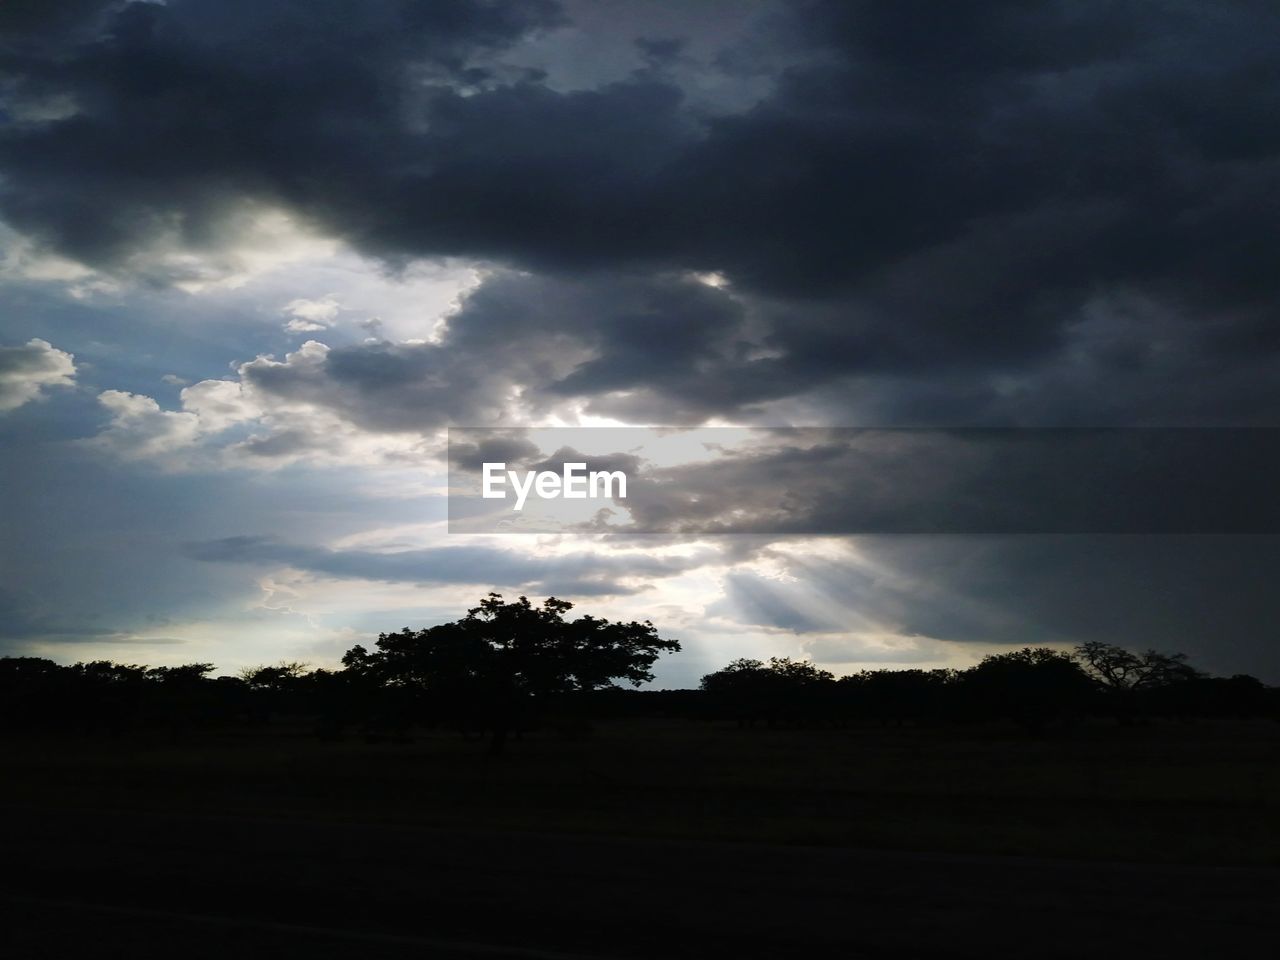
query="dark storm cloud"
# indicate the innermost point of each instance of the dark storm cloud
(824, 481)
(497, 447)
(928, 186)
(665, 340)
(182, 109)
(581, 573)
(1210, 596)
(976, 481)
(32, 23)
(27, 616)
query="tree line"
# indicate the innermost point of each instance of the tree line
(1036, 688)
(510, 667)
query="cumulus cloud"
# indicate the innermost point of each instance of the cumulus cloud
(226, 424)
(138, 428)
(307, 316)
(28, 370)
(297, 325)
(218, 404)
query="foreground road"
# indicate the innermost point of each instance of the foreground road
(109, 884)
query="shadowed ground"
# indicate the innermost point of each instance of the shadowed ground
(320, 889)
(218, 845)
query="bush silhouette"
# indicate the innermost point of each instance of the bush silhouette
(493, 667)
(1031, 686)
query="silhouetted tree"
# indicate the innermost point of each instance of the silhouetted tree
(32, 693)
(1032, 686)
(1203, 696)
(280, 677)
(1126, 677)
(896, 696)
(787, 690)
(183, 696)
(501, 659)
(108, 696)
(280, 688)
(1122, 669)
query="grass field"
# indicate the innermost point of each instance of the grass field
(1192, 793)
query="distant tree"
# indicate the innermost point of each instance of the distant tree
(24, 670)
(1128, 678)
(1032, 686)
(279, 688)
(739, 690)
(503, 659)
(276, 678)
(108, 696)
(896, 696)
(33, 693)
(108, 673)
(1203, 696)
(781, 690)
(742, 667)
(799, 673)
(1121, 669)
(183, 696)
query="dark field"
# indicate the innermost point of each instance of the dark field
(1194, 793)
(650, 838)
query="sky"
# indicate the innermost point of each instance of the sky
(257, 256)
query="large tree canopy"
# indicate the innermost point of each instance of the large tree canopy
(501, 656)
